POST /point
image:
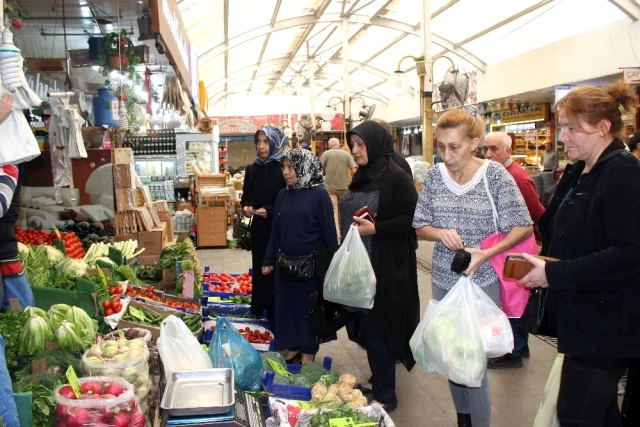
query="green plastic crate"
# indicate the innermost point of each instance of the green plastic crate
(25, 412)
(84, 296)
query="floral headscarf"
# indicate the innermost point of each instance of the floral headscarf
(308, 168)
(278, 143)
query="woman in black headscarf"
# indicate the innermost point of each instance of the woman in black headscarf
(262, 182)
(384, 186)
(303, 220)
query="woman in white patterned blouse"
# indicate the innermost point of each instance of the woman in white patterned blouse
(454, 211)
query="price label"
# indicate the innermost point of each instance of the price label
(304, 405)
(341, 422)
(14, 304)
(366, 425)
(73, 380)
(278, 368)
(215, 299)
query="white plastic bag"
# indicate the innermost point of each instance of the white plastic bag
(179, 349)
(547, 415)
(19, 144)
(451, 341)
(350, 279)
(495, 329)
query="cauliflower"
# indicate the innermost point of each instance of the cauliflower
(333, 389)
(318, 391)
(348, 379)
(357, 400)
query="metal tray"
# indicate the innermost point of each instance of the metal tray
(199, 392)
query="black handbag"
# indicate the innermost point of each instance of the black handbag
(326, 317)
(538, 315)
(242, 233)
(293, 268)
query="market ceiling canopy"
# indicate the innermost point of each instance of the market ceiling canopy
(263, 47)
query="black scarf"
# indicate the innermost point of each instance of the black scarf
(379, 150)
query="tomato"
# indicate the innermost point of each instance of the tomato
(108, 312)
(106, 304)
(112, 291)
(116, 299)
(117, 308)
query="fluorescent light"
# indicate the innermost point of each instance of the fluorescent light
(95, 67)
(114, 74)
(109, 27)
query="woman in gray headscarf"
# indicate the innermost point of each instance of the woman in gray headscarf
(303, 220)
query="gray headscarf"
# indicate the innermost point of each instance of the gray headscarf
(308, 169)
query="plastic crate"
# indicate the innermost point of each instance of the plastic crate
(289, 391)
(25, 411)
(215, 309)
(208, 333)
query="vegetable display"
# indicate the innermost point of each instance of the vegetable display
(336, 395)
(30, 236)
(137, 315)
(11, 324)
(37, 265)
(322, 419)
(222, 282)
(35, 332)
(104, 401)
(128, 359)
(129, 249)
(150, 272)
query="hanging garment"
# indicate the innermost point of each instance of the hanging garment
(60, 161)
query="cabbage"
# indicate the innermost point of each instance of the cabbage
(440, 331)
(33, 335)
(84, 325)
(67, 337)
(22, 248)
(54, 255)
(35, 311)
(75, 267)
(57, 314)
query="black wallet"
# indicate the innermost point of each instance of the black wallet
(461, 261)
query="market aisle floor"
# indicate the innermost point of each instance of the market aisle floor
(424, 399)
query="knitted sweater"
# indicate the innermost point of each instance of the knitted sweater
(466, 208)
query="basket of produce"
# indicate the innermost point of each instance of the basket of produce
(127, 359)
(108, 401)
(296, 381)
(223, 284)
(259, 337)
(131, 334)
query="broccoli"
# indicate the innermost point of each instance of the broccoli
(280, 379)
(300, 381)
(313, 371)
(330, 378)
(275, 356)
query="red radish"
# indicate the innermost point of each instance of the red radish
(108, 396)
(62, 411)
(62, 423)
(91, 387)
(121, 420)
(114, 389)
(138, 419)
(67, 391)
(90, 396)
(78, 418)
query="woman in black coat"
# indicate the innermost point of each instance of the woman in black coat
(382, 185)
(262, 182)
(592, 226)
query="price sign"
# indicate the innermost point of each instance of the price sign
(279, 369)
(73, 380)
(304, 405)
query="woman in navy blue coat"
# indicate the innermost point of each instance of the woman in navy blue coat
(302, 221)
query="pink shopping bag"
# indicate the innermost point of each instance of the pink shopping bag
(514, 295)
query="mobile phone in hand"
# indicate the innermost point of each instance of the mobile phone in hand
(365, 213)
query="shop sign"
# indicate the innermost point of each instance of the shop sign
(535, 112)
(167, 21)
(521, 127)
(241, 124)
(631, 75)
(42, 84)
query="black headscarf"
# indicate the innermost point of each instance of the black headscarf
(379, 148)
(308, 168)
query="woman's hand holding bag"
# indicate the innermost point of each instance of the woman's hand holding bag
(350, 279)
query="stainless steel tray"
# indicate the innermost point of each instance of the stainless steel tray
(199, 392)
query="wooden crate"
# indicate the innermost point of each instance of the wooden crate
(212, 180)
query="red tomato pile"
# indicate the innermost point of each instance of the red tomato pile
(72, 245)
(241, 284)
(125, 414)
(254, 336)
(112, 306)
(141, 292)
(191, 306)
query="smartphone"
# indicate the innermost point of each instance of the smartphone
(365, 213)
(516, 267)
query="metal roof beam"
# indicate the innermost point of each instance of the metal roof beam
(279, 61)
(276, 9)
(504, 22)
(443, 8)
(226, 38)
(325, 4)
(333, 30)
(629, 7)
(311, 19)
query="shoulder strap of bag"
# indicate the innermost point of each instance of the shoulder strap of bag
(493, 206)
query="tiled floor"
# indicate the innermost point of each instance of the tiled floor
(424, 399)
